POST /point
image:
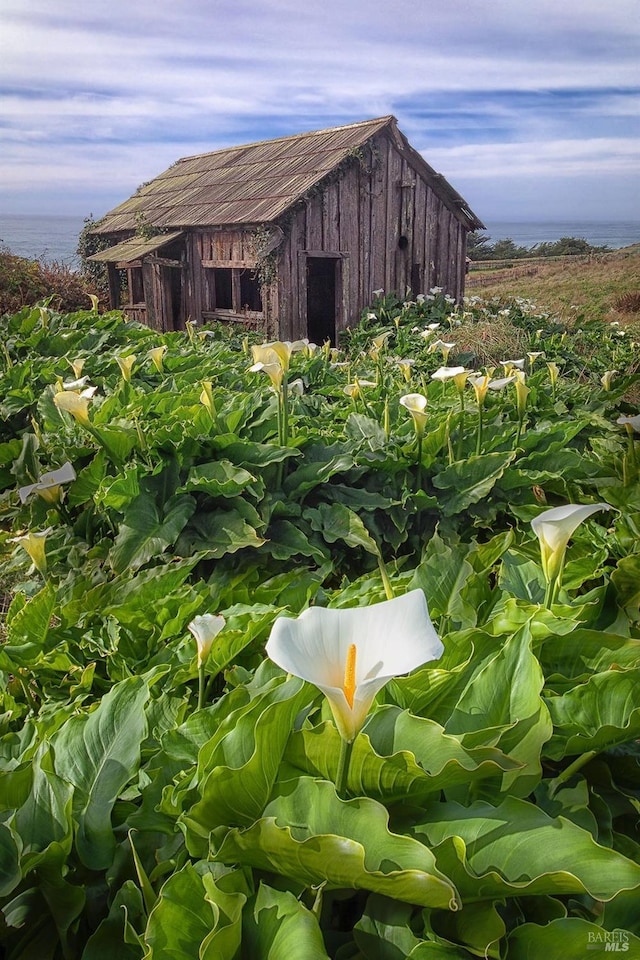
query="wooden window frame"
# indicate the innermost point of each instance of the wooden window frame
(236, 312)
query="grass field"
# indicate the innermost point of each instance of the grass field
(605, 287)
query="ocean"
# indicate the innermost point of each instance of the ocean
(55, 238)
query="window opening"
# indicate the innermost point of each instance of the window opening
(223, 286)
(250, 298)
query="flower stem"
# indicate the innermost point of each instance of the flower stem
(577, 764)
(201, 686)
(419, 458)
(342, 776)
(285, 411)
(388, 589)
(479, 433)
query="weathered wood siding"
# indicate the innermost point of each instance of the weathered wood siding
(361, 216)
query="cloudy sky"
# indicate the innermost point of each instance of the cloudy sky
(530, 108)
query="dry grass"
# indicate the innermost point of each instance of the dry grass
(605, 287)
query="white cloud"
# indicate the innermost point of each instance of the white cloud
(100, 97)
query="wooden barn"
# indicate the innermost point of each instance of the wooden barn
(288, 236)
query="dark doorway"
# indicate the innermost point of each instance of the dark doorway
(322, 285)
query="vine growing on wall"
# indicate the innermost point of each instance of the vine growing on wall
(265, 241)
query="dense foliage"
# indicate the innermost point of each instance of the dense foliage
(491, 806)
(480, 247)
(24, 281)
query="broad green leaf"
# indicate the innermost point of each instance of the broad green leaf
(626, 580)
(312, 474)
(595, 715)
(501, 705)
(145, 534)
(397, 757)
(442, 575)
(285, 540)
(236, 775)
(360, 427)
(99, 753)
(309, 834)
(194, 917)
(337, 522)
(10, 873)
(127, 907)
(45, 816)
(277, 925)
(218, 533)
(384, 932)
(479, 926)
(88, 481)
(570, 938)
(219, 478)
(117, 493)
(28, 628)
(516, 849)
(521, 577)
(467, 481)
(586, 652)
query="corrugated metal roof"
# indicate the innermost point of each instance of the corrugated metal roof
(249, 184)
(134, 248)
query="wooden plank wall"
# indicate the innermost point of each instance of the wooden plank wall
(364, 213)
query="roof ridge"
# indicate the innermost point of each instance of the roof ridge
(381, 121)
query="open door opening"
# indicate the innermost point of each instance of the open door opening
(322, 289)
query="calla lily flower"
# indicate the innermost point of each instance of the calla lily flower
(354, 389)
(554, 528)
(500, 383)
(49, 484)
(74, 403)
(351, 654)
(405, 365)
(447, 373)
(79, 384)
(441, 345)
(554, 371)
(156, 355)
(77, 366)
(263, 353)
(416, 404)
(275, 371)
(378, 344)
(205, 629)
(126, 366)
(480, 384)
(630, 422)
(522, 392)
(510, 365)
(206, 398)
(34, 545)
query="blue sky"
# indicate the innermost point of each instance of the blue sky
(530, 108)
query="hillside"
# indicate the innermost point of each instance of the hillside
(602, 287)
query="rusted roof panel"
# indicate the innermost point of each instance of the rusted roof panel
(254, 183)
(134, 248)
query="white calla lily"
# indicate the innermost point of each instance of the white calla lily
(48, 486)
(447, 373)
(33, 543)
(554, 528)
(205, 629)
(126, 366)
(630, 422)
(351, 654)
(416, 404)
